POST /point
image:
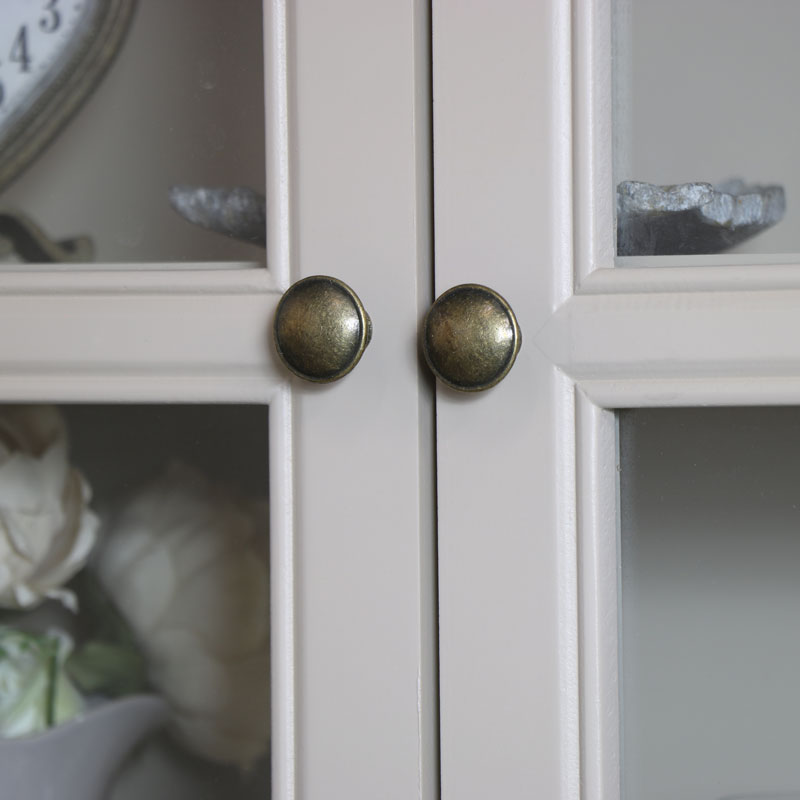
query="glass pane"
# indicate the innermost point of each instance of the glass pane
(710, 553)
(181, 103)
(134, 602)
(705, 92)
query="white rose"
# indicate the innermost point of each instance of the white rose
(34, 691)
(186, 564)
(46, 528)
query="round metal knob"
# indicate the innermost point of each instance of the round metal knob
(321, 329)
(470, 338)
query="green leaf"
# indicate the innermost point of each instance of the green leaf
(107, 668)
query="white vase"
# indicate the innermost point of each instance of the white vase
(77, 760)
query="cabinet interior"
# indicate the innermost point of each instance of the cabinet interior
(122, 449)
(710, 601)
(703, 92)
(182, 103)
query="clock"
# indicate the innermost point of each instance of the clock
(52, 55)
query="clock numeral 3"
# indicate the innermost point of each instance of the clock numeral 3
(52, 22)
(19, 50)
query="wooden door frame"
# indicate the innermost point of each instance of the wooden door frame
(348, 189)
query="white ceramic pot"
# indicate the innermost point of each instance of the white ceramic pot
(77, 760)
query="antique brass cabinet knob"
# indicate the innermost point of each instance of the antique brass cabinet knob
(470, 338)
(321, 329)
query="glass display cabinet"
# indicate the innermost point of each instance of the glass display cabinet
(578, 584)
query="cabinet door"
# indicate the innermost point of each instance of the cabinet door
(503, 218)
(351, 463)
(351, 109)
(533, 576)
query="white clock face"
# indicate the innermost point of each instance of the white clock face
(37, 35)
(52, 54)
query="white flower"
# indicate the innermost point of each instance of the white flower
(34, 691)
(46, 528)
(186, 564)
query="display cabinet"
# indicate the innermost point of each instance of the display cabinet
(576, 584)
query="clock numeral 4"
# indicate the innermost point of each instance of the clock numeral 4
(20, 53)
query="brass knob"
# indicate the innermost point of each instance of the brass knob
(470, 338)
(321, 329)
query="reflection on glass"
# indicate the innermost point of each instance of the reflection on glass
(710, 638)
(134, 601)
(181, 104)
(703, 94)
